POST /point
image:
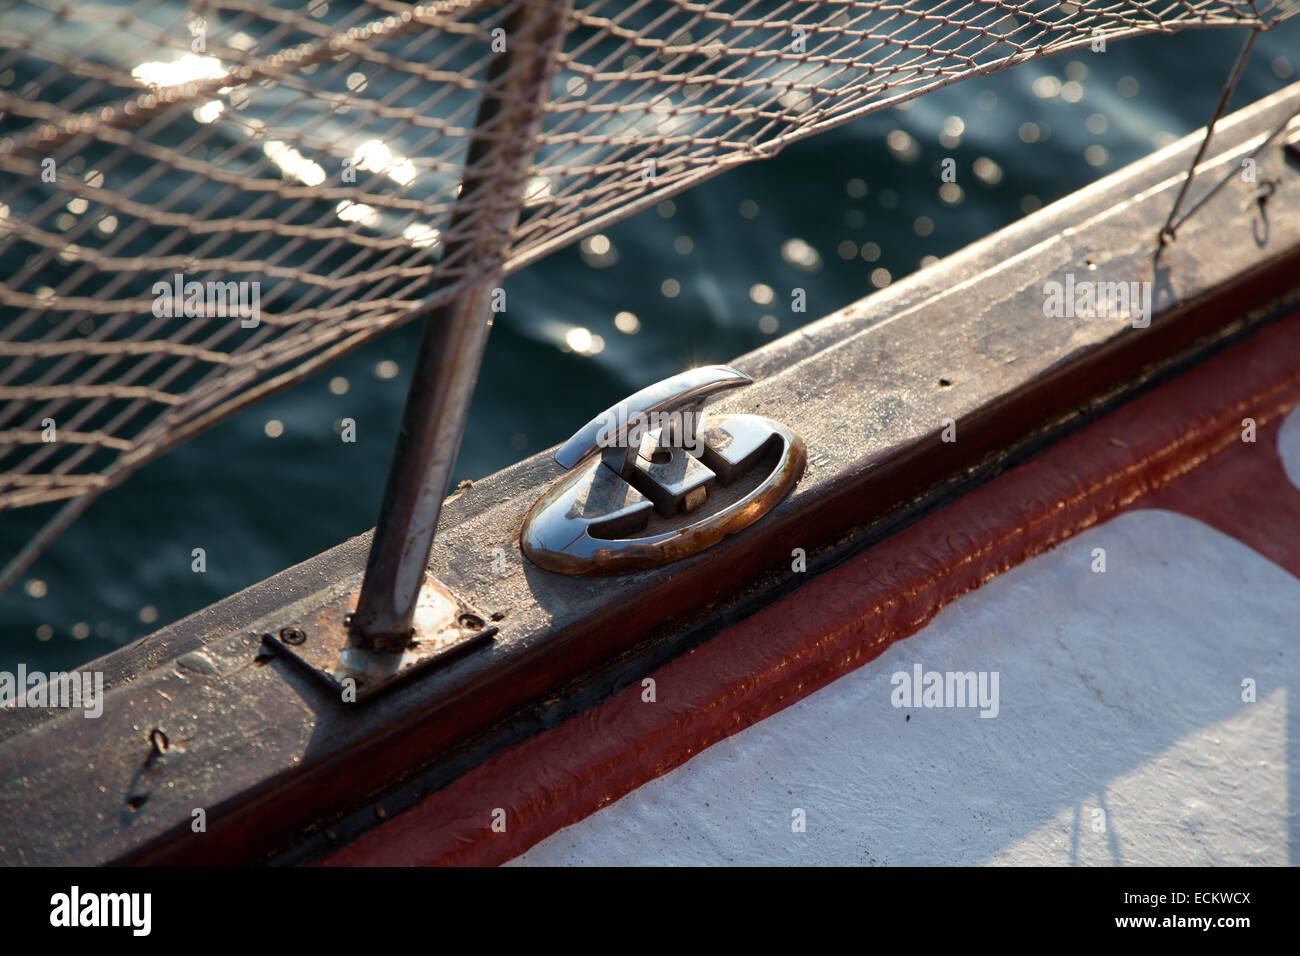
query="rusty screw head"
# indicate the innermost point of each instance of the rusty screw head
(293, 635)
(471, 622)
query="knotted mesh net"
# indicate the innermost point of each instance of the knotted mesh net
(201, 204)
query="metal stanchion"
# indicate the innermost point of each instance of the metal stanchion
(500, 155)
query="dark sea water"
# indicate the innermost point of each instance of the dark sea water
(836, 215)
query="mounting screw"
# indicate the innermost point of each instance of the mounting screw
(293, 635)
(157, 743)
(471, 622)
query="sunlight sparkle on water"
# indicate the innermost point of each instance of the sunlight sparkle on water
(377, 157)
(209, 111)
(187, 69)
(294, 163)
(357, 212)
(421, 235)
(583, 342)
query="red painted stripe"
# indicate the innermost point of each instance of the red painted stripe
(1245, 493)
(846, 617)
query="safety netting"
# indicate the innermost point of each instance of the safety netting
(202, 203)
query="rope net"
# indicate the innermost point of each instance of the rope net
(201, 204)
